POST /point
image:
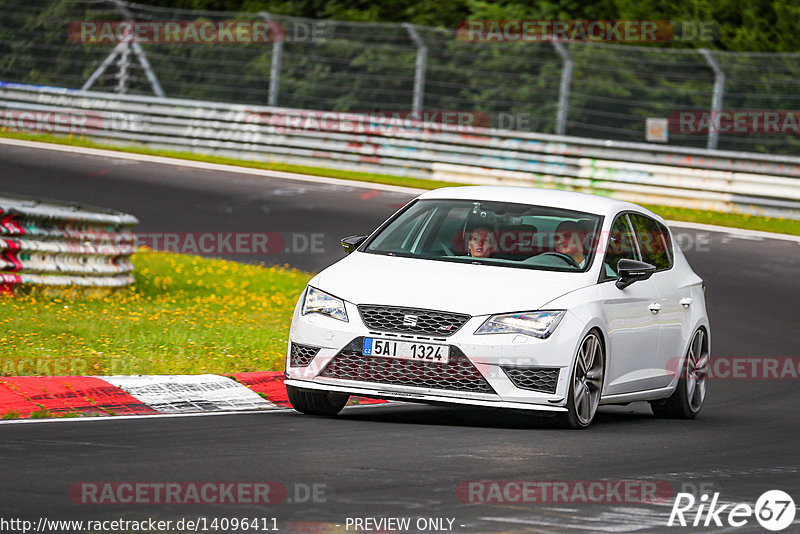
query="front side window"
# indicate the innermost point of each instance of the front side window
(653, 239)
(492, 233)
(621, 245)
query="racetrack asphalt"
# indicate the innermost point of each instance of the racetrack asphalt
(404, 460)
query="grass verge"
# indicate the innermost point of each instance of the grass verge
(777, 225)
(734, 220)
(184, 315)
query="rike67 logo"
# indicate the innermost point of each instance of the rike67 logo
(774, 510)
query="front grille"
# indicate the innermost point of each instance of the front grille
(542, 379)
(421, 322)
(301, 355)
(458, 374)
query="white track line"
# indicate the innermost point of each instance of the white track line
(109, 153)
(143, 417)
(140, 417)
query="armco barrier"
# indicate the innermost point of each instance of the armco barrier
(713, 180)
(45, 243)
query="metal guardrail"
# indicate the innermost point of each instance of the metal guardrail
(738, 182)
(45, 243)
(577, 87)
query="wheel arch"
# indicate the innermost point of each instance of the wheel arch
(596, 325)
(703, 323)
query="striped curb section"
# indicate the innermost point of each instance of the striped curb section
(58, 396)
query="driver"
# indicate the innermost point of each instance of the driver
(569, 237)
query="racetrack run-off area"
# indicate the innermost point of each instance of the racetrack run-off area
(71, 396)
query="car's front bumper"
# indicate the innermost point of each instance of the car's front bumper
(491, 355)
(415, 395)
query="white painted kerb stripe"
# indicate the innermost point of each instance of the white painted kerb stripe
(190, 393)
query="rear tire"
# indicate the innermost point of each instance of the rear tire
(586, 384)
(687, 399)
(313, 402)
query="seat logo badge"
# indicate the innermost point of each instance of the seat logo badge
(410, 320)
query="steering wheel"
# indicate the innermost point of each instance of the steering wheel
(560, 255)
(446, 248)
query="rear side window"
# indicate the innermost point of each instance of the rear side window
(653, 239)
(621, 245)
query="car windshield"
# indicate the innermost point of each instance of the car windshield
(492, 233)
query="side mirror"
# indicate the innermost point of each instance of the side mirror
(349, 244)
(631, 271)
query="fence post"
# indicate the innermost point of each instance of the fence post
(419, 70)
(275, 64)
(123, 64)
(148, 70)
(102, 68)
(123, 50)
(716, 99)
(563, 90)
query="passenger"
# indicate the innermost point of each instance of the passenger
(482, 242)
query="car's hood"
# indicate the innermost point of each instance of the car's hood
(363, 278)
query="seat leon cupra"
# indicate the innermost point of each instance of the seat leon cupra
(506, 297)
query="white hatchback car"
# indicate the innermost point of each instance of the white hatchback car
(507, 297)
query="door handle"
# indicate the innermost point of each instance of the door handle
(655, 307)
(686, 302)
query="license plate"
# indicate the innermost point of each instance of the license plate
(406, 350)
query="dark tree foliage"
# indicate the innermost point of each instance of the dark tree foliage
(744, 25)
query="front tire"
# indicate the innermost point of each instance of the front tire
(586, 384)
(687, 399)
(312, 402)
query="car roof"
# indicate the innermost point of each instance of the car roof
(538, 197)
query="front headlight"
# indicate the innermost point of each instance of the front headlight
(317, 301)
(537, 324)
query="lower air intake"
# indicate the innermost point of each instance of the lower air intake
(458, 374)
(543, 379)
(301, 355)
